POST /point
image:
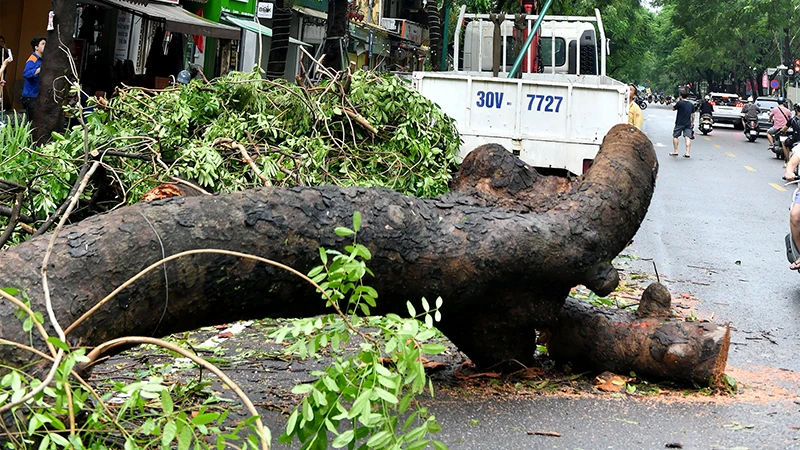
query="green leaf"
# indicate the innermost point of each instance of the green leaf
(45, 444)
(379, 439)
(438, 445)
(185, 438)
(438, 304)
(342, 231)
(323, 256)
(411, 311)
(386, 395)
(203, 419)
(292, 421)
(59, 440)
(302, 389)
(343, 439)
(356, 220)
(404, 403)
(433, 349)
(168, 435)
(425, 305)
(166, 402)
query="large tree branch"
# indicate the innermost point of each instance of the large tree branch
(502, 249)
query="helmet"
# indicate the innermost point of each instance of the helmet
(184, 77)
(707, 97)
(750, 99)
(781, 101)
(797, 106)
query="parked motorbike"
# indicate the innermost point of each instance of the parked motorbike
(751, 130)
(776, 147)
(706, 123)
(641, 102)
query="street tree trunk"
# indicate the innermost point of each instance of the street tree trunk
(502, 249)
(335, 33)
(55, 66)
(435, 34)
(279, 44)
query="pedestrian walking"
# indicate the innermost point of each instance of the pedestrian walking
(635, 116)
(684, 124)
(30, 90)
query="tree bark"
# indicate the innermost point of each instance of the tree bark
(279, 45)
(649, 342)
(55, 66)
(502, 249)
(435, 34)
(335, 35)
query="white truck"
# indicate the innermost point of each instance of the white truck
(554, 119)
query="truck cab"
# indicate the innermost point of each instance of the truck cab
(559, 44)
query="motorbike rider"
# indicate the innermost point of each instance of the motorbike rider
(794, 124)
(750, 111)
(706, 107)
(779, 116)
(794, 214)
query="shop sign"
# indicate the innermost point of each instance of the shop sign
(123, 35)
(264, 10)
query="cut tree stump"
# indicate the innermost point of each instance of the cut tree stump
(502, 249)
(648, 342)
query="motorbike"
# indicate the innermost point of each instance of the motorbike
(706, 123)
(641, 102)
(776, 147)
(751, 129)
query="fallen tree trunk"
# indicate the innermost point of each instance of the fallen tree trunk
(502, 250)
(649, 342)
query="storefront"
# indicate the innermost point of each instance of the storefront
(115, 41)
(369, 46)
(183, 41)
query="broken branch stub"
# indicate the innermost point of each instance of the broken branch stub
(652, 345)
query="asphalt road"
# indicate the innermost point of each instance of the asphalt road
(715, 231)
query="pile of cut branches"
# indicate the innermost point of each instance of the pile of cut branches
(230, 134)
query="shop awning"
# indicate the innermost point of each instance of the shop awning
(311, 12)
(177, 19)
(249, 25)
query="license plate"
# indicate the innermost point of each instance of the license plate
(753, 132)
(783, 138)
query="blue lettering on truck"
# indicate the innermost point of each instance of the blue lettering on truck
(489, 99)
(547, 101)
(542, 103)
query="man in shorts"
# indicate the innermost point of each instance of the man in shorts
(684, 124)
